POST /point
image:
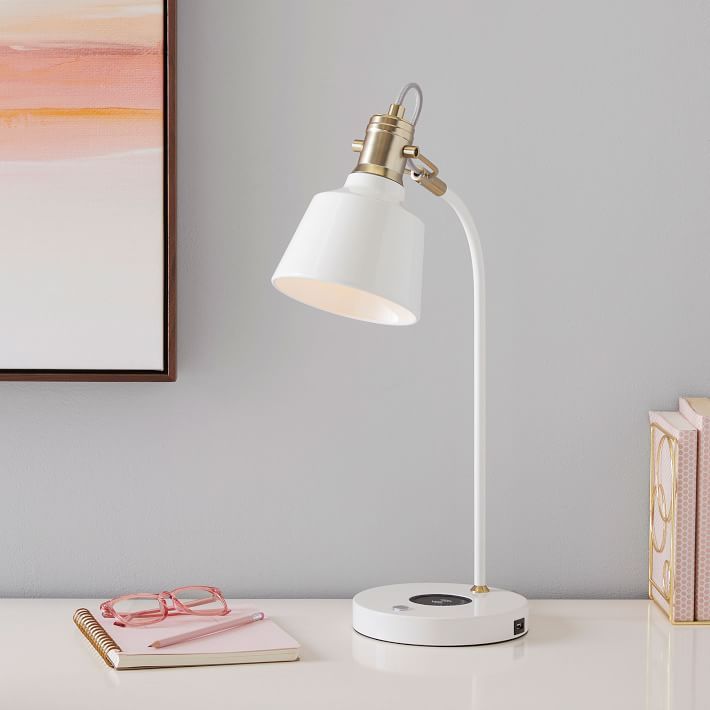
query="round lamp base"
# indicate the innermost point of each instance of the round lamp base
(436, 614)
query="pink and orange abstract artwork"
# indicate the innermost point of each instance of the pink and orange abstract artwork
(82, 185)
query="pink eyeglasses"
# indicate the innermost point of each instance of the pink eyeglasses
(144, 609)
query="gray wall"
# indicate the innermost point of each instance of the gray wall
(302, 454)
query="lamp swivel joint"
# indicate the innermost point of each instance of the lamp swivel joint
(387, 150)
(382, 151)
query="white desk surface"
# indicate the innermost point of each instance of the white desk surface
(577, 655)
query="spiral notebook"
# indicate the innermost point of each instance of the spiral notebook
(128, 647)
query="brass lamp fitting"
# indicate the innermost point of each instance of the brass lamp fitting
(388, 147)
(382, 151)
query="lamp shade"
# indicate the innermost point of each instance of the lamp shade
(357, 253)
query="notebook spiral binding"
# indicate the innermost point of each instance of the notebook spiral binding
(96, 634)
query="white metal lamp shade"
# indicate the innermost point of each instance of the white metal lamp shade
(357, 253)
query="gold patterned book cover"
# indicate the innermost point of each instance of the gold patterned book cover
(697, 411)
(671, 575)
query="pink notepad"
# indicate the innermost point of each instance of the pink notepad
(128, 647)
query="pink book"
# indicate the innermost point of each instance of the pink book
(671, 572)
(697, 411)
(129, 647)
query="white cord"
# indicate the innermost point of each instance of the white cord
(419, 101)
(412, 86)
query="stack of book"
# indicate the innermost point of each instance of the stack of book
(679, 530)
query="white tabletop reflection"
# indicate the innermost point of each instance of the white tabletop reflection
(578, 655)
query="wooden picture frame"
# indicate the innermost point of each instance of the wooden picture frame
(168, 371)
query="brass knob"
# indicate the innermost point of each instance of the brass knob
(357, 145)
(410, 151)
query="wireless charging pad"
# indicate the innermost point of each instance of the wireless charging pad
(435, 614)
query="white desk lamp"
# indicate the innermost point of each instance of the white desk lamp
(358, 253)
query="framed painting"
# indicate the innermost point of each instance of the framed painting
(87, 190)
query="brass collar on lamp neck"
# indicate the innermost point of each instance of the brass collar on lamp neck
(383, 150)
(388, 147)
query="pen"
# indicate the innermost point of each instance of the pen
(215, 628)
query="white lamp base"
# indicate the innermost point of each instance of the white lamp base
(435, 614)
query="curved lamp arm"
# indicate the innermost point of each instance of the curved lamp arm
(479, 389)
(428, 177)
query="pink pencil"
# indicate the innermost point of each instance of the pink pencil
(215, 628)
